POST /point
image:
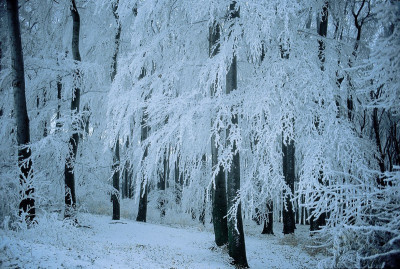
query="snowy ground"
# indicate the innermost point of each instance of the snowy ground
(129, 244)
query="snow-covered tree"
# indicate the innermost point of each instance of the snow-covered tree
(310, 116)
(27, 204)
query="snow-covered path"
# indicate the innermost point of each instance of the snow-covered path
(129, 244)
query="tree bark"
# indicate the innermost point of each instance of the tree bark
(236, 242)
(127, 179)
(219, 203)
(288, 163)
(164, 174)
(59, 90)
(269, 219)
(289, 174)
(142, 212)
(358, 23)
(115, 197)
(70, 199)
(178, 182)
(27, 204)
(86, 119)
(315, 223)
(116, 40)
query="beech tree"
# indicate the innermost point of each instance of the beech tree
(288, 149)
(70, 198)
(288, 164)
(319, 127)
(27, 205)
(219, 206)
(142, 212)
(236, 243)
(269, 219)
(115, 197)
(317, 221)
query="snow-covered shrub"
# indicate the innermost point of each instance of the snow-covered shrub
(371, 236)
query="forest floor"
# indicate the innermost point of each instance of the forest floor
(102, 243)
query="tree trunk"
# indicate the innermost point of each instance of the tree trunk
(39, 106)
(86, 119)
(269, 219)
(257, 217)
(236, 242)
(381, 157)
(269, 214)
(202, 216)
(1, 53)
(59, 90)
(315, 223)
(1, 57)
(219, 203)
(115, 197)
(116, 40)
(164, 174)
(27, 204)
(126, 179)
(70, 199)
(289, 174)
(178, 182)
(288, 151)
(358, 23)
(142, 212)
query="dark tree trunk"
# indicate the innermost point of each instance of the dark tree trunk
(126, 179)
(257, 216)
(289, 174)
(322, 31)
(39, 106)
(116, 40)
(1, 54)
(1, 57)
(70, 199)
(59, 90)
(142, 212)
(358, 23)
(269, 219)
(202, 217)
(304, 212)
(86, 119)
(130, 185)
(27, 204)
(219, 202)
(288, 151)
(164, 174)
(376, 128)
(178, 182)
(269, 214)
(115, 196)
(236, 242)
(315, 223)
(219, 206)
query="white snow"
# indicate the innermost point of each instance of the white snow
(130, 244)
